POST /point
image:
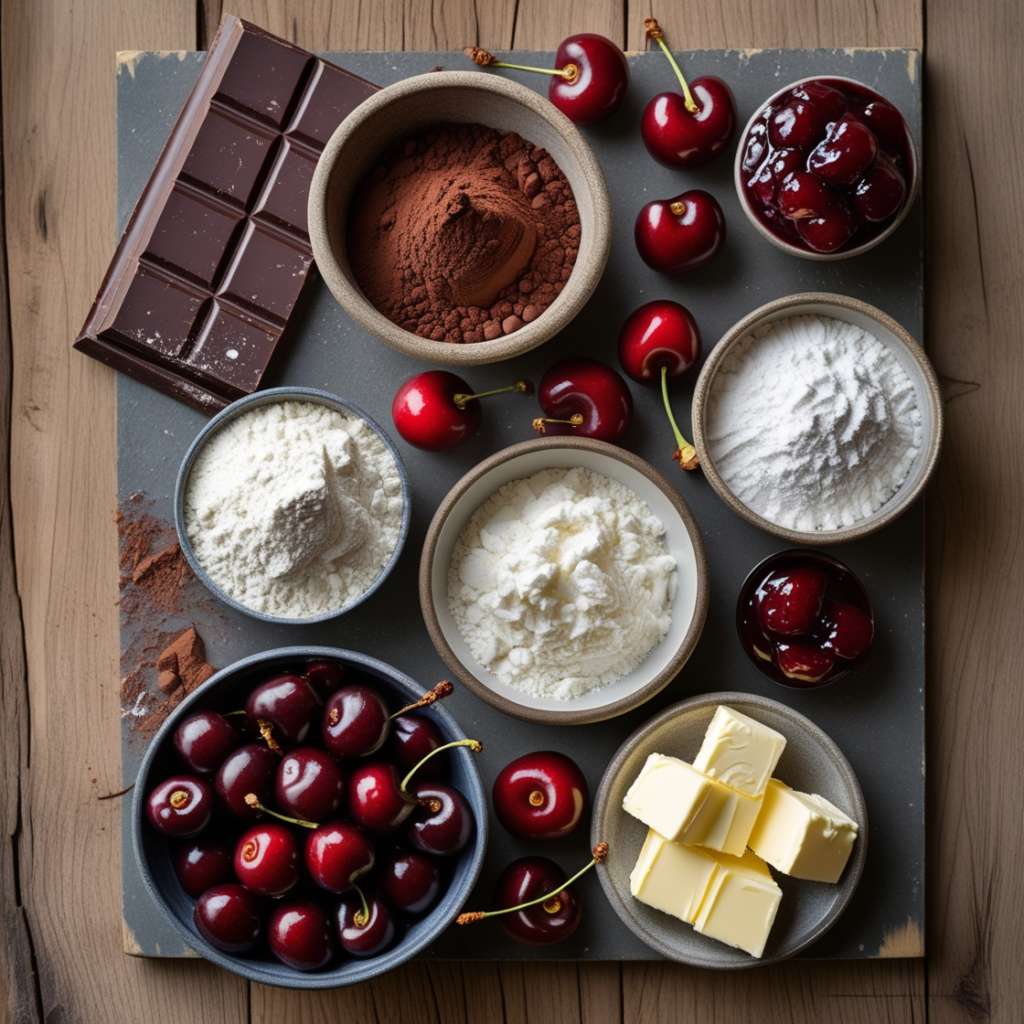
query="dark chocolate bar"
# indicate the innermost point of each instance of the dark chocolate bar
(216, 256)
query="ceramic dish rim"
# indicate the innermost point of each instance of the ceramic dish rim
(569, 716)
(904, 497)
(789, 247)
(748, 703)
(237, 408)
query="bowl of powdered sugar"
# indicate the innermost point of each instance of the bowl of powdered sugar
(818, 418)
(292, 505)
(564, 580)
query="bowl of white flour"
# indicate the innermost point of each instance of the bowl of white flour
(564, 580)
(292, 505)
(818, 418)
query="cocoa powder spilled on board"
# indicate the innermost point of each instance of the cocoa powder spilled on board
(463, 233)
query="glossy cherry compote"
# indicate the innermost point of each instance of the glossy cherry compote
(804, 618)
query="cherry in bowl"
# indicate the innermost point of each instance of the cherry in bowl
(804, 619)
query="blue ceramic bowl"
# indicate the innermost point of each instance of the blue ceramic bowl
(247, 404)
(226, 691)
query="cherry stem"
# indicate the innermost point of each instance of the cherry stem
(686, 454)
(524, 387)
(267, 732)
(653, 30)
(253, 801)
(442, 690)
(228, 714)
(576, 420)
(486, 59)
(600, 852)
(361, 918)
(475, 745)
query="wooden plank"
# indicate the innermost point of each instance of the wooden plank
(58, 65)
(975, 550)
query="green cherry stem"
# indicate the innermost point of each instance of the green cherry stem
(253, 801)
(486, 59)
(600, 852)
(475, 745)
(523, 387)
(653, 30)
(443, 689)
(685, 454)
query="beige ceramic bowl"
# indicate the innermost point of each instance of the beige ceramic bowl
(908, 353)
(467, 97)
(914, 173)
(682, 537)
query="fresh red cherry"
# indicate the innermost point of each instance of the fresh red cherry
(545, 923)
(585, 397)
(829, 101)
(411, 738)
(589, 81)
(200, 864)
(849, 631)
(803, 661)
(337, 854)
(830, 231)
(355, 721)
(324, 676)
(411, 881)
(789, 602)
(364, 928)
(309, 784)
(228, 917)
(880, 193)
(288, 703)
(659, 333)
(377, 795)
(267, 860)
(675, 236)
(690, 128)
(436, 410)
(797, 125)
(204, 740)
(250, 769)
(299, 935)
(540, 796)
(843, 156)
(181, 806)
(441, 822)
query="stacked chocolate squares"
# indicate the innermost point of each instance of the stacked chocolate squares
(717, 824)
(216, 257)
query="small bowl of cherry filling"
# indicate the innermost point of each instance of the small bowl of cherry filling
(826, 169)
(804, 618)
(310, 817)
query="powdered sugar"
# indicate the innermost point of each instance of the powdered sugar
(813, 423)
(293, 508)
(562, 583)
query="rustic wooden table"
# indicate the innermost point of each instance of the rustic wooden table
(61, 958)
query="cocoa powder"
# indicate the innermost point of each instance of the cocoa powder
(463, 233)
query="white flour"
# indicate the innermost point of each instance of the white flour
(813, 423)
(562, 583)
(293, 509)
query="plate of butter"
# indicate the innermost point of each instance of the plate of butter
(736, 828)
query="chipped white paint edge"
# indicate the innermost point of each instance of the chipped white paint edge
(128, 60)
(902, 942)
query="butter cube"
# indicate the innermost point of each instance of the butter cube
(724, 821)
(740, 752)
(671, 877)
(666, 795)
(740, 905)
(802, 834)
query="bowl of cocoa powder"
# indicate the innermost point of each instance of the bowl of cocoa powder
(460, 218)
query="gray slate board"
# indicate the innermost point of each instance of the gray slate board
(875, 715)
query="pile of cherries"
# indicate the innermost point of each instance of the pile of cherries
(804, 618)
(827, 165)
(296, 820)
